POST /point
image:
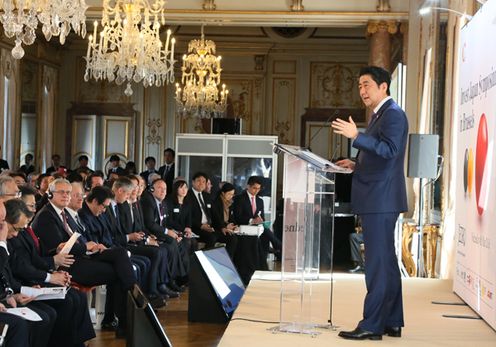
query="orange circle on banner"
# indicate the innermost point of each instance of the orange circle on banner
(470, 170)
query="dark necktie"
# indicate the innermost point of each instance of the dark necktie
(64, 221)
(204, 207)
(116, 213)
(373, 117)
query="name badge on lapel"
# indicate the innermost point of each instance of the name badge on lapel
(209, 206)
(176, 210)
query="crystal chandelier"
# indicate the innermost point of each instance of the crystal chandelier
(200, 95)
(129, 48)
(20, 19)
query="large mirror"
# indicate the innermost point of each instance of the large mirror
(29, 112)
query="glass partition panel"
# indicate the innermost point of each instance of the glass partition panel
(212, 166)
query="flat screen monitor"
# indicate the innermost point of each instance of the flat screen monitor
(223, 277)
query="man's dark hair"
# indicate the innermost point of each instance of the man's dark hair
(74, 177)
(15, 209)
(254, 180)
(98, 173)
(40, 179)
(18, 174)
(100, 194)
(199, 174)
(150, 159)
(171, 151)
(27, 190)
(378, 74)
(83, 157)
(114, 157)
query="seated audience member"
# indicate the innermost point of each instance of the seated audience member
(28, 166)
(179, 215)
(111, 266)
(83, 165)
(94, 180)
(356, 242)
(55, 165)
(8, 188)
(42, 184)
(19, 177)
(115, 167)
(130, 168)
(119, 218)
(73, 324)
(150, 168)
(32, 177)
(248, 209)
(222, 218)
(40, 331)
(4, 165)
(201, 215)
(167, 171)
(154, 216)
(19, 329)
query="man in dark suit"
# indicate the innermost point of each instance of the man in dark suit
(18, 332)
(150, 168)
(73, 324)
(110, 266)
(55, 165)
(167, 171)
(378, 195)
(154, 217)
(115, 168)
(248, 209)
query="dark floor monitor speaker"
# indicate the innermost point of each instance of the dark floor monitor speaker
(144, 328)
(215, 288)
(422, 155)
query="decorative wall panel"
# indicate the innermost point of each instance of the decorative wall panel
(284, 67)
(83, 139)
(334, 85)
(283, 108)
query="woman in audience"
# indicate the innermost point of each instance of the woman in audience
(179, 217)
(222, 217)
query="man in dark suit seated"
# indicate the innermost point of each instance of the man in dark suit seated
(19, 329)
(167, 170)
(201, 215)
(115, 168)
(73, 324)
(120, 221)
(111, 266)
(154, 217)
(55, 165)
(248, 209)
(378, 195)
(150, 168)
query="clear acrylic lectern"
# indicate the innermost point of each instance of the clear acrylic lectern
(305, 183)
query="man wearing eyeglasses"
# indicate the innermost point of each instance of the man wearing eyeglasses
(111, 267)
(8, 189)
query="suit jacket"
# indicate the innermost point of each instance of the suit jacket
(151, 218)
(218, 221)
(178, 216)
(3, 165)
(378, 184)
(25, 262)
(242, 208)
(48, 226)
(118, 170)
(196, 211)
(169, 177)
(96, 227)
(147, 173)
(119, 236)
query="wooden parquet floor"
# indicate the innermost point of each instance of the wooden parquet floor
(174, 319)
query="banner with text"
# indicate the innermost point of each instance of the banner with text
(475, 275)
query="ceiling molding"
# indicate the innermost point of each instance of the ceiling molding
(269, 18)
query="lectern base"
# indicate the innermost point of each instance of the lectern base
(293, 328)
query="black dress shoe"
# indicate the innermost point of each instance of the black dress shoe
(359, 334)
(356, 270)
(392, 331)
(109, 326)
(156, 301)
(168, 291)
(172, 285)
